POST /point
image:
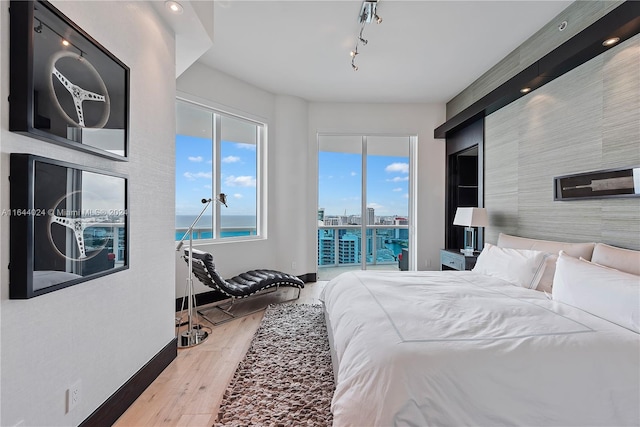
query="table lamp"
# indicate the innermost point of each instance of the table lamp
(470, 218)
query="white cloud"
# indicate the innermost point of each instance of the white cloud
(240, 181)
(208, 187)
(193, 176)
(196, 159)
(398, 167)
(375, 205)
(406, 195)
(398, 179)
(397, 189)
(231, 159)
(243, 146)
(237, 196)
(354, 173)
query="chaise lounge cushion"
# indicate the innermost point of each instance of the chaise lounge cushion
(242, 285)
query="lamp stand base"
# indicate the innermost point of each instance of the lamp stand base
(190, 338)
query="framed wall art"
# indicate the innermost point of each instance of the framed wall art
(65, 87)
(68, 224)
(623, 182)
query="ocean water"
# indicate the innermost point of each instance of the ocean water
(237, 225)
(226, 221)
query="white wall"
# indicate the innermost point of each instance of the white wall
(293, 158)
(292, 163)
(101, 331)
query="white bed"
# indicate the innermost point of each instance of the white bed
(464, 348)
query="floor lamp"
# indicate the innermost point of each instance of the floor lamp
(195, 333)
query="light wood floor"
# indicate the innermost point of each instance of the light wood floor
(190, 389)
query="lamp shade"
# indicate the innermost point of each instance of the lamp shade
(471, 217)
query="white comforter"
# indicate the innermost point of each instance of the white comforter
(463, 349)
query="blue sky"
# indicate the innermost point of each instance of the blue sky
(194, 175)
(340, 181)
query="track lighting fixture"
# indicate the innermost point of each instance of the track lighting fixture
(363, 41)
(368, 13)
(66, 43)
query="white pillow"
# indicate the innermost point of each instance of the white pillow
(584, 250)
(604, 292)
(621, 259)
(522, 267)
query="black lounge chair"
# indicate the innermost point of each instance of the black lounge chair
(253, 282)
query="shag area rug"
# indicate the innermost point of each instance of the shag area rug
(286, 377)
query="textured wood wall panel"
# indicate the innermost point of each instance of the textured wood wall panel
(501, 173)
(586, 120)
(621, 124)
(579, 15)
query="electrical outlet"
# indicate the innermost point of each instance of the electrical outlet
(293, 265)
(73, 395)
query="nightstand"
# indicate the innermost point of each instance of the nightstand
(453, 259)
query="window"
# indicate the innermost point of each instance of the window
(363, 201)
(217, 152)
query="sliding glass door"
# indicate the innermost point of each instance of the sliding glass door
(363, 203)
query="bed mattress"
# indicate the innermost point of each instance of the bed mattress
(460, 348)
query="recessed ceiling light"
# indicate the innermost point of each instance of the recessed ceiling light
(174, 7)
(525, 90)
(65, 43)
(611, 41)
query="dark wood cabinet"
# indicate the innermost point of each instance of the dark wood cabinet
(465, 161)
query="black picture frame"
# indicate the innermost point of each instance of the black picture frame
(609, 183)
(68, 224)
(74, 94)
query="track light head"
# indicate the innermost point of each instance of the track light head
(367, 15)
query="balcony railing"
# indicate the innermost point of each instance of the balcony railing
(340, 245)
(206, 232)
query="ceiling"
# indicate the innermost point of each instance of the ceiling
(423, 51)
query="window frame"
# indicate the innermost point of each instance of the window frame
(261, 176)
(412, 191)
